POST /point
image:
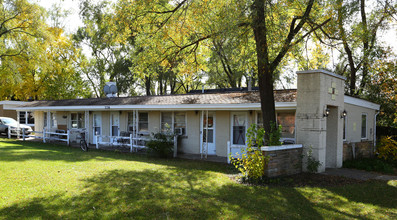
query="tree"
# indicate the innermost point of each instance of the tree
(383, 86)
(45, 65)
(354, 33)
(109, 60)
(182, 29)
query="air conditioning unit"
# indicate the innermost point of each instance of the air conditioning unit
(179, 131)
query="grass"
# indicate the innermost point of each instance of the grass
(54, 181)
(372, 164)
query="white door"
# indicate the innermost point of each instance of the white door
(114, 124)
(238, 132)
(208, 133)
(97, 126)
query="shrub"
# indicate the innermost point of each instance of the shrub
(161, 145)
(274, 135)
(312, 163)
(252, 162)
(387, 148)
(371, 164)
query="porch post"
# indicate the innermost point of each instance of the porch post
(18, 124)
(96, 140)
(44, 135)
(87, 125)
(131, 144)
(228, 151)
(23, 134)
(201, 133)
(48, 120)
(68, 137)
(206, 135)
(175, 145)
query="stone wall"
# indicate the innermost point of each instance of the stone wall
(283, 162)
(364, 149)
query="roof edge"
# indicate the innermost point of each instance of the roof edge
(245, 106)
(361, 103)
(322, 71)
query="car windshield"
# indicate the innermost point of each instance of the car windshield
(8, 121)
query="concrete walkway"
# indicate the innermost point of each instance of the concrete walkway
(358, 174)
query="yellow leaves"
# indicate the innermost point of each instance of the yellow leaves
(387, 148)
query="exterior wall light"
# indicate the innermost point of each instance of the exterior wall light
(326, 112)
(343, 115)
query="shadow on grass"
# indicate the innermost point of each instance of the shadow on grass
(13, 150)
(177, 194)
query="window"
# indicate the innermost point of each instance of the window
(53, 120)
(143, 121)
(171, 121)
(166, 121)
(287, 122)
(180, 122)
(45, 119)
(239, 126)
(285, 119)
(130, 121)
(259, 120)
(77, 120)
(364, 126)
(26, 118)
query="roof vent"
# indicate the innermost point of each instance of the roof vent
(110, 89)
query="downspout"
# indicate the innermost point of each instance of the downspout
(377, 113)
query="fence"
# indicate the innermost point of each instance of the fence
(58, 135)
(134, 143)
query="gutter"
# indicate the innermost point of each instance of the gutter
(377, 113)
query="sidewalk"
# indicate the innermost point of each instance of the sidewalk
(358, 174)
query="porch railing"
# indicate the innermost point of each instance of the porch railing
(58, 135)
(134, 143)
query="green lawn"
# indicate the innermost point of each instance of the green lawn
(54, 181)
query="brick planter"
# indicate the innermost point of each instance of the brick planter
(283, 160)
(364, 149)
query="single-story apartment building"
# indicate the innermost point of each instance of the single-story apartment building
(317, 114)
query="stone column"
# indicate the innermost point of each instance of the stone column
(317, 91)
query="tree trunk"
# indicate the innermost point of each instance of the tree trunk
(365, 47)
(147, 85)
(265, 74)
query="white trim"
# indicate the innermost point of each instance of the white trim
(181, 107)
(361, 103)
(322, 71)
(282, 147)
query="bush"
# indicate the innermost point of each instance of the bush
(161, 145)
(371, 164)
(312, 163)
(252, 162)
(274, 136)
(387, 148)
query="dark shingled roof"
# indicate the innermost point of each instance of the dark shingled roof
(205, 98)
